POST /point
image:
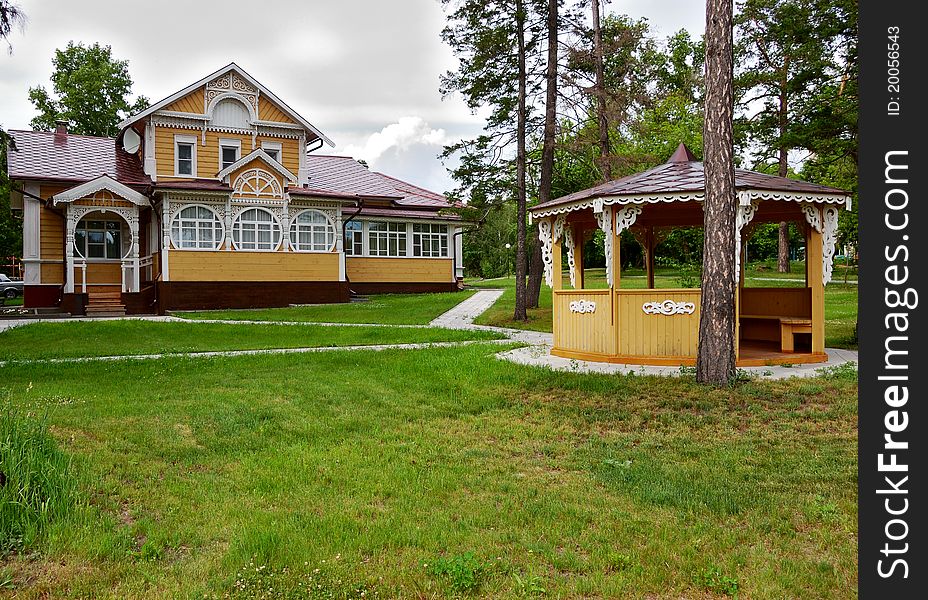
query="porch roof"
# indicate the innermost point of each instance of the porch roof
(684, 175)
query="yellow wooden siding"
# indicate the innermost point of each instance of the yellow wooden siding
(779, 302)
(190, 265)
(592, 333)
(51, 244)
(268, 111)
(99, 272)
(47, 190)
(208, 155)
(642, 334)
(399, 270)
(52, 273)
(191, 103)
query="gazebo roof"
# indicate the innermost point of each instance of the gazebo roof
(683, 176)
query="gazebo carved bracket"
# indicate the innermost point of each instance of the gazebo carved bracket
(549, 231)
(743, 215)
(604, 220)
(829, 239)
(571, 263)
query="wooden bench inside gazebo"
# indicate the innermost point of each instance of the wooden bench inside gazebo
(659, 326)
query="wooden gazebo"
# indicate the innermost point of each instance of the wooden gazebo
(659, 326)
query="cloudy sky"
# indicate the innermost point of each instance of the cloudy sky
(365, 72)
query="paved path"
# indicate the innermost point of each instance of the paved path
(462, 317)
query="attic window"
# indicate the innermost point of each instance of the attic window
(232, 114)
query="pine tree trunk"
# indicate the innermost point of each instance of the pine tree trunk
(547, 152)
(783, 171)
(715, 361)
(520, 313)
(602, 121)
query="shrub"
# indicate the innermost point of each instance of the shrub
(37, 484)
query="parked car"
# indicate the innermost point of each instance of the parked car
(10, 288)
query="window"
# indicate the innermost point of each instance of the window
(386, 239)
(311, 231)
(256, 229)
(196, 227)
(229, 152)
(273, 149)
(354, 238)
(98, 239)
(429, 240)
(185, 155)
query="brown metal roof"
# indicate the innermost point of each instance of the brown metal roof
(50, 156)
(404, 213)
(203, 185)
(683, 174)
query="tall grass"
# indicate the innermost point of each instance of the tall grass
(37, 483)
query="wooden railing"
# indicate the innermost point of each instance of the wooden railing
(584, 322)
(657, 322)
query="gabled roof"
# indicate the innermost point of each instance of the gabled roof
(684, 174)
(103, 182)
(50, 156)
(265, 157)
(229, 67)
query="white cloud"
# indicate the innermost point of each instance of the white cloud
(400, 137)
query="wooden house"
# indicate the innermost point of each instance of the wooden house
(660, 326)
(213, 198)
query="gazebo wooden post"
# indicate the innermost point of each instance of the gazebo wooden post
(814, 281)
(578, 255)
(649, 256)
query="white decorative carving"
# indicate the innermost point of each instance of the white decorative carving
(231, 83)
(604, 220)
(569, 246)
(743, 216)
(582, 306)
(625, 217)
(668, 308)
(829, 238)
(256, 183)
(745, 197)
(813, 216)
(547, 259)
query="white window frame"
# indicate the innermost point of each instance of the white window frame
(274, 147)
(84, 252)
(425, 239)
(296, 226)
(229, 143)
(275, 229)
(179, 243)
(354, 237)
(394, 231)
(192, 141)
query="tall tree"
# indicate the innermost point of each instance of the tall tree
(715, 360)
(602, 121)
(786, 49)
(91, 90)
(547, 146)
(521, 116)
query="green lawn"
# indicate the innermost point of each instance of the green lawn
(439, 473)
(840, 300)
(392, 309)
(117, 338)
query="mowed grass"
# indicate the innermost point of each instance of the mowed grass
(132, 337)
(359, 472)
(392, 309)
(840, 300)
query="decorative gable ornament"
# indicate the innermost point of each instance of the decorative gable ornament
(256, 183)
(231, 83)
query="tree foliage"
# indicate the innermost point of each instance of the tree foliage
(90, 89)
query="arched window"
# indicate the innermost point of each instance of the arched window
(312, 231)
(256, 229)
(197, 227)
(232, 114)
(256, 183)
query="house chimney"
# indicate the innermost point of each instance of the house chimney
(61, 127)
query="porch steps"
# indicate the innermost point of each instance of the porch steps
(105, 304)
